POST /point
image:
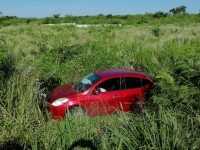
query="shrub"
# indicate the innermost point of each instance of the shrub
(156, 32)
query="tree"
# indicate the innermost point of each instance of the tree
(109, 16)
(1, 13)
(181, 9)
(56, 15)
(100, 15)
(159, 14)
(173, 11)
(178, 10)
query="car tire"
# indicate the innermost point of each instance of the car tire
(77, 111)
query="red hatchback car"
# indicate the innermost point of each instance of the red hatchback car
(102, 92)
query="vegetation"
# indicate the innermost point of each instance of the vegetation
(35, 58)
(177, 16)
(178, 10)
(56, 15)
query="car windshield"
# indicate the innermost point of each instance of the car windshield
(86, 82)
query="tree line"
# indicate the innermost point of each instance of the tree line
(173, 11)
(148, 18)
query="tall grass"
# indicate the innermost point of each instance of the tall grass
(48, 56)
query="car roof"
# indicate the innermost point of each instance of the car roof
(120, 73)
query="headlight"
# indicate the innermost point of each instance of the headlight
(60, 101)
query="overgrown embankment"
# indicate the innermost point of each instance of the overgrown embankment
(34, 59)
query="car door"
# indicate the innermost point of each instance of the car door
(133, 92)
(109, 95)
(109, 102)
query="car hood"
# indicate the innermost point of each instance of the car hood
(63, 91)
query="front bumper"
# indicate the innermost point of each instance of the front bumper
(57, 112)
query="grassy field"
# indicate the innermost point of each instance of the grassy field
(35, 58)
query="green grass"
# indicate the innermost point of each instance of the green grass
(36, 58)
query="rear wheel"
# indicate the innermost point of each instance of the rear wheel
(77, 111)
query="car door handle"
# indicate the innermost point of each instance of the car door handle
(116, 96)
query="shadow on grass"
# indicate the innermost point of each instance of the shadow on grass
(46, 86)
(83, 144)
(11, 146)
(14, 145)
(49, 84)
(7, 67)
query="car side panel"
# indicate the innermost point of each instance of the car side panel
(109, 102)
(91, 105)
(132, 96)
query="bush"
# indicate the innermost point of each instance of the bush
(156, 32)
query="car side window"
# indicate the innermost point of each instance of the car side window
(110, 85)
(145, 82)
(131, 82)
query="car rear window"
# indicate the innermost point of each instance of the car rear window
(131, 82)
(145, 82)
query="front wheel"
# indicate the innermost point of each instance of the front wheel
(77, 111)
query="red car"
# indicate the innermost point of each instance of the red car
(102, 92)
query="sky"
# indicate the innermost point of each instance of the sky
(46, 8)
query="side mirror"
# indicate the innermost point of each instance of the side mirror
(95, 91)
